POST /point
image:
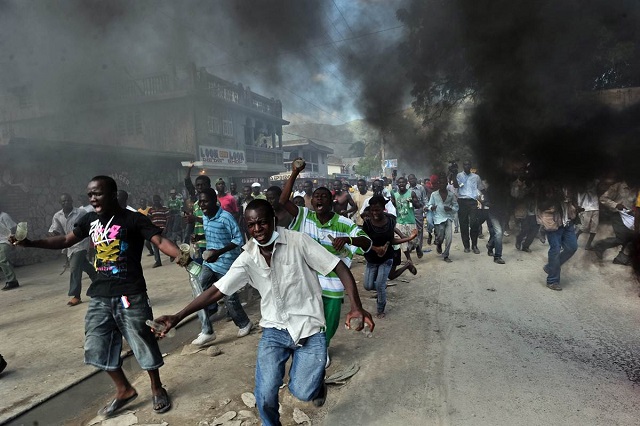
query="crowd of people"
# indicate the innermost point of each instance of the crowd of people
(295, 244)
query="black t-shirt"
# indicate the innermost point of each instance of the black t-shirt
(119, 241)
(379, 237)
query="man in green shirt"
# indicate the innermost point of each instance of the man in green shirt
(406, 201)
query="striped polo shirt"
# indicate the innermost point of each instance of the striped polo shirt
(219, 231)
(339, 226)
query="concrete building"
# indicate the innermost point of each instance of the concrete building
(135, 128)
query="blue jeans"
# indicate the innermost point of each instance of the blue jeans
(495, 235)
(375, 278)
(108, 321)
(563, 243)
(306, 374)
(206, 279)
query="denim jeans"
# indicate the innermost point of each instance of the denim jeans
(305, 375)
(108, 321)
(78, 263)
(206, 279)
(563, 243)
(495, 235)
(375, 278)
(444, 234)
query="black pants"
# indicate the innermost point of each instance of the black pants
(468, 216)
(528, 231)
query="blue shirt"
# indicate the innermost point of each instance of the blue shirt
(219, 231)
(469, 185)
(440, 214)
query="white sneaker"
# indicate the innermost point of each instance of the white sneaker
(244, 331)
(204, 338)
(328, 363)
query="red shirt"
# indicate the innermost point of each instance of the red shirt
(228, 203)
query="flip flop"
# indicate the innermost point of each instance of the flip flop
(162, 400)
(115, 405)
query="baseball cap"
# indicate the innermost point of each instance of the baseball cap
(255, 185)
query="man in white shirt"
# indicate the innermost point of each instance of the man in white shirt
(7, 227)
(469, 186)
(282, 265)
(63, 222)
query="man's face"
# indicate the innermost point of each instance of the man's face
(337, 186)
(274, 199)
(172, 194)
(255, 190)
(201, 184)
(377, 187)
(259, 225)
(157, 201)
(221, 187)
(322, 201)
(308, 188)
(246, 191)
(66, 202)
(442, 183)
(207, 205)
(100, 199)
(466, 166)
(402, 184)
(233, 188)
(362, 186)
(412, 180)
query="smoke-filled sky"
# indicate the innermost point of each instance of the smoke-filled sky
(313, 55)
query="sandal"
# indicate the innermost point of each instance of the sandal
(115, 405)
(161, 403)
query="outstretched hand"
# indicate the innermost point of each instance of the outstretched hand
(364, 316)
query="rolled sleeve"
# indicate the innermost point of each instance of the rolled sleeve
(317, 257)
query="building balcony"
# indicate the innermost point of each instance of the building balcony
(267, 159)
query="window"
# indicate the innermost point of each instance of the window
(129, 123)
(227, 127)
(214, 124)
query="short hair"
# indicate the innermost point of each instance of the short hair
(264, 205)
(210, 192)
(308, 181)
(411, 175)
(108, 182)
(205, 179)
(378, 200)
(362, 180)
(323, 188)
(275, 189)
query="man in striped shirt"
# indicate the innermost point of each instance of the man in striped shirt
(223, 241)
(337, 234)
(202, 182)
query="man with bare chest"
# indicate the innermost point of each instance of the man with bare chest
(343, 204)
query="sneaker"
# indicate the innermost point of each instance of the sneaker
(321, 397)
(490, 252)
(554, 286)
(10, 286)
(157, 265)
(244, 331)
(328, 363)
(498, 260)
(467, 250)
(446, 259)
(204, 338)
(476, 250)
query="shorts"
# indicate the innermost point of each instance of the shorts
(407, 229)
(108, 321)
(589, 221)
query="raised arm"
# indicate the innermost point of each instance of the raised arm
(285, 197)
(191, 190)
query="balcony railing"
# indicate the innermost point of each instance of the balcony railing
(259, 155)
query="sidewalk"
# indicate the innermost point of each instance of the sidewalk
(42, 338)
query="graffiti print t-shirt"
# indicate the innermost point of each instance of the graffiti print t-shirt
(119, 241)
